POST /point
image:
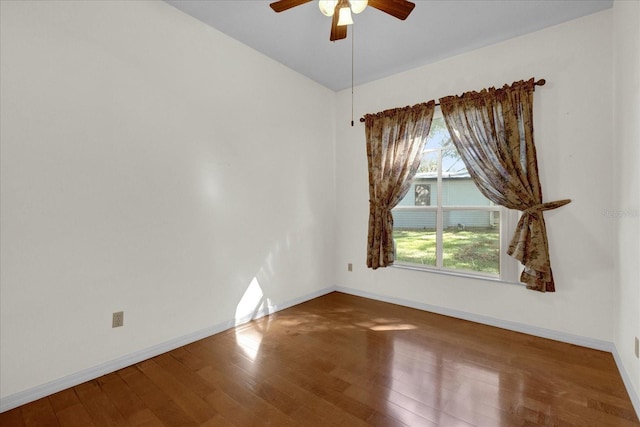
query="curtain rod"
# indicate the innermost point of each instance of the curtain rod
(540, 82)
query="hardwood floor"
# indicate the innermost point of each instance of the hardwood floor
(341, 360)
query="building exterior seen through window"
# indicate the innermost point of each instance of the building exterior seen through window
(444, 222)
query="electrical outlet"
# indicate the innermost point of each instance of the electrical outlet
(349, 267)
(118, 319)
(637, 348)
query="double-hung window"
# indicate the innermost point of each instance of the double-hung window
(445, 223)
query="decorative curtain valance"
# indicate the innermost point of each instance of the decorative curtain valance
(493, 132)
(395, 140)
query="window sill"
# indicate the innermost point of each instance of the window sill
(467, 275)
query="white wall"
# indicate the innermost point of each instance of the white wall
(573, 138)
(626, 139)
(153, 165)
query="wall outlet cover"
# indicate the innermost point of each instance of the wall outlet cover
(118, 319)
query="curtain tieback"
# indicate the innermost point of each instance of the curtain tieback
(546, 206)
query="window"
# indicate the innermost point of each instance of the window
(423, 194)
(445, 223)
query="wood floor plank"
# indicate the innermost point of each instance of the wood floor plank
(63, 399)
(155, 399)
(231, 410)
(69, 410)
(316, 404)
(102, 411)
(218, 421)
(377, 398)
(237, 395)
(328, 388)
(75, 416)
(303, 416)
(127, 402)
(187, 377)
(417, 407)
(12, 417)
(189, 401)
(39, 413)
(345, 361)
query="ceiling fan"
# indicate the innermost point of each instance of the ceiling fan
(341, 10)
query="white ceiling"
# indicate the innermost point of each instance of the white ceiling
(383, 45)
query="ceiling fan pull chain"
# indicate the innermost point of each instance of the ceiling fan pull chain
(353, 32)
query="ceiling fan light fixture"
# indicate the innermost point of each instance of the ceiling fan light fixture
(358, 6)
(327, 6)
(344, 18)
(340, 11)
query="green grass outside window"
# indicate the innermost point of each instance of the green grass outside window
(475, 249)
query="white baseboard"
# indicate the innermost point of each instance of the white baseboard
(635, 399)
(35, 393)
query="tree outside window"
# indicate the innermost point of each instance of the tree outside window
(445, 222)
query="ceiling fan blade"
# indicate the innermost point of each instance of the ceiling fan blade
(398, 8)
(282, 5)
(338, 32)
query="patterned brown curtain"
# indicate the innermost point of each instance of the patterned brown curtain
(493, 132)
(395, 139)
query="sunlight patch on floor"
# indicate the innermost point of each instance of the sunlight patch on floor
(393, 327)
(249, 341)
(252, 304)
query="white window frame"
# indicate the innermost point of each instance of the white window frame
(509, 267)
